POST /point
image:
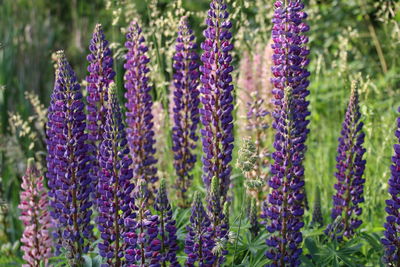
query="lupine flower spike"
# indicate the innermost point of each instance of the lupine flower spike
(114, 187)
(143, 246)
(167, 228)
(350, 169)
(139, 104)
(216, 96)
(100, 76)
(199, 241)
(284, 212)
(69, 180)
(186, 106)
(391, 239)
(35, 217)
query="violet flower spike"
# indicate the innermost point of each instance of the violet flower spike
(391, 239)
(350, 169)
(283, 214)
(142, 244)
(114, 186)
(100, 76)
(186, 106)
(167, 228)
(36, 240)
(217, 99)
(199, 241)
(69, 180)
(139, 104)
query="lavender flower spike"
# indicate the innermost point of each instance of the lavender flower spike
(114, 187)
(100, 76)
(69, 180)
(139, 104)
(35, 218)
(350, 169)
(216, 96)
(167, 228)
(199, 241)
(186, 106)
(284, 212)
(142, 245)
(391, 239)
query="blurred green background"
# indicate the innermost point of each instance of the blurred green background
(348, 39)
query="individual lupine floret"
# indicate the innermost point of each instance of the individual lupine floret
(391, 239)
(35, 217)
(186, 107)
(139, 104)
(199, 241)
(284, 211)
(350, 169)
(167, 228)
(142, 245)
(101, 74)
(216, 97)
(69, 181)
(114, 186)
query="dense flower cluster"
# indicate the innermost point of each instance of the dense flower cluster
(139, 104)
(350, 169)
(167, 228)
(216, 97)
(114, 186)
(199, 241)
(186, 102)
(35, 217)
(100, 76)
(143, 248)
(69, 182)
(391, 239)
(285, 207)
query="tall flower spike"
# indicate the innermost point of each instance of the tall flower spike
(391, 239)
(284, 212)
(290, 68)
(142, 245)
(69, 180)
(199, 241)
(317, 218)
(186, 107)
(35, 218)
(100, 76)
(114, 187)
(216, 96)
(139, 104)
(350, 169)
(167, 228)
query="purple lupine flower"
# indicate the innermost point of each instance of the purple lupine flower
(167, 228)
(284, 211)
(139, 104)
(143, 248)
(216, 96)
(350, 169)
(114, 186)
(100, 76)
(186, 106)
(35, 217)
(391, 239)
(199, 241)
(69, 180)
